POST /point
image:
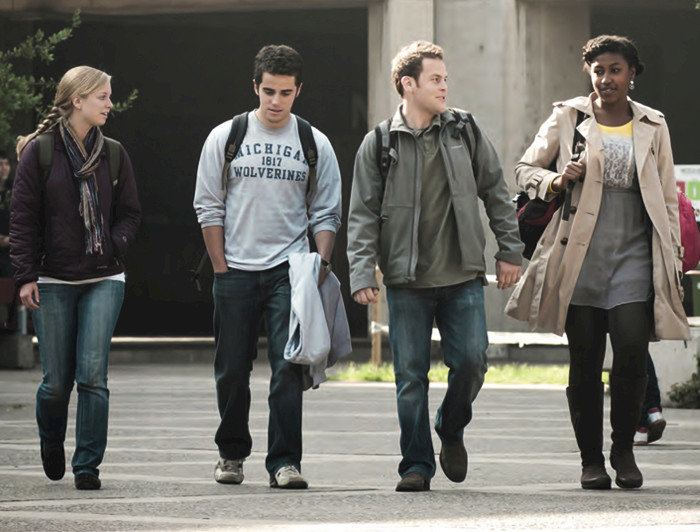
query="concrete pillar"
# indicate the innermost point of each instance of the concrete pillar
(507, 61)
(546, 65)
(392, 24)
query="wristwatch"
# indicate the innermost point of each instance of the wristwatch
(326, 265)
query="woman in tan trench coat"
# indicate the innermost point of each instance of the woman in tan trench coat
(614, 266)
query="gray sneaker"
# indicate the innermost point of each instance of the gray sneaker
(288, 477)
(229, 471)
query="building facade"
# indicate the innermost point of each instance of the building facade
(191, 61)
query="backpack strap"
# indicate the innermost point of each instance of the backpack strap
(239, 125)
(113, 149)
(386, 141)
(114, 159)
(308, 145)
(465, 128)
(386, 149)
(382, 133)
(45, 155)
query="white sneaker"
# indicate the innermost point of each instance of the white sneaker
(229, 471)
(641, 437)
(657, 424)
(288, 477)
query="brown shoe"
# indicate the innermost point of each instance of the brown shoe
(413, 481)
(454, 460)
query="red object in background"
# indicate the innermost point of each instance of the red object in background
(690, 236)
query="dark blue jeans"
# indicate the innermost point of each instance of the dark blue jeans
(241, 300)
(652, 398)
(459, 314)
(74, 325)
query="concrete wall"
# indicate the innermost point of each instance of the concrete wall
(502, 67)
(674, 361)
(392, 24)
(508, 60)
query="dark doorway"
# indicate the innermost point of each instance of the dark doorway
(193, 72)
(668, 41)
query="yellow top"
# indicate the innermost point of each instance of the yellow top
(625, 129)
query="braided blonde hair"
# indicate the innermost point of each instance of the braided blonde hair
(77, 82)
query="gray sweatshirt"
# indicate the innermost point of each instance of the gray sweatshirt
(264, 207)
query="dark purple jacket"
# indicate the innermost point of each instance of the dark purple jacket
(47, 234)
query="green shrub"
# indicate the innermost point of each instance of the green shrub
(687, 394)
(25, 93)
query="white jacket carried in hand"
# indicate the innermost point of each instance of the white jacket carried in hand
(319, 334)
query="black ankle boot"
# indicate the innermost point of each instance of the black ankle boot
(628, 474)
(586, 410)
(626, 398)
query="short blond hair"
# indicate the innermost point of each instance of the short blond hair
(79, 81)
(409, 61)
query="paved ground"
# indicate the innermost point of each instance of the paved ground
(157, 473)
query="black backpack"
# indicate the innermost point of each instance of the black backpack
(386, 141)
(239, 126)
(113, 148)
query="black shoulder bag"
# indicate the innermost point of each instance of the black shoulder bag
(535, 214)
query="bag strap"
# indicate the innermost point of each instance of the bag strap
(578, 138)
(577, 146)
(308, 145)
(239, 125)
(386, 142)
(465, 128)
(112, 148)
(45, 155)
(382, 134)
(115, 157)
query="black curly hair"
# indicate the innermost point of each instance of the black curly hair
(615, 44)
(278, 60)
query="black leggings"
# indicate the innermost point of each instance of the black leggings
(629, 326)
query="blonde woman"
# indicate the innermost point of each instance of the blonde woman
(70, 227)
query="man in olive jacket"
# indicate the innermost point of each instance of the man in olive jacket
(422, 226)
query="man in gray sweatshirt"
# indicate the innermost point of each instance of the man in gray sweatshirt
(250, 226)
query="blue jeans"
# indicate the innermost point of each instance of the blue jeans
(74, 325)
(459, 313)
(241, 300)
(652, 397)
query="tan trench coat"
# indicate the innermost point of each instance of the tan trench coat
(543, 294)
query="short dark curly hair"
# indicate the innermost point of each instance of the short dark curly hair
(278, 60)
(615, 44)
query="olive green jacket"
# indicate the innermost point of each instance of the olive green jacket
(386, 231)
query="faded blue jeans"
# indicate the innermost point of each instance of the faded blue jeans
(241, 300)
(74, 325)
(459, 314)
